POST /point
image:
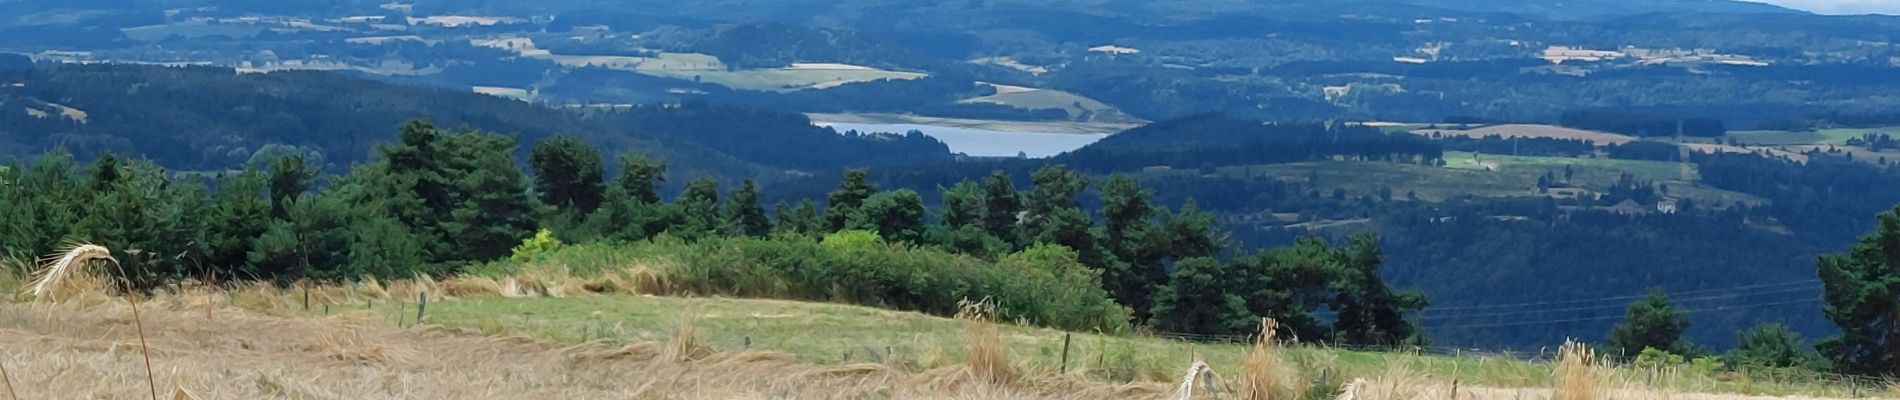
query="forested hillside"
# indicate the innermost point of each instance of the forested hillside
(1472, 239)
(215, 119)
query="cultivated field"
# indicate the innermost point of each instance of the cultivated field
(1533, 131)
(1079, 108)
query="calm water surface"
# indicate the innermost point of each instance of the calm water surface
(981, 142)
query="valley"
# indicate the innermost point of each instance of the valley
(1286, 200)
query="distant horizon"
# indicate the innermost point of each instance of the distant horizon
(1840, 7)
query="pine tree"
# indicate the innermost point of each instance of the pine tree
(802, 219)
(1771, 345)
(1056, 189)
(897, 216)
(568, 174)
(641, 177)
(1126, 214)
(744, 215)
(1652, 323)
(312, 241)
(1862, 294)
(290, 176)
(1200, 298)
(843, 201)
(1370, 313)
(1002, 208)
(962, 205)
(238, 215)
(698, 209)
(491, 210)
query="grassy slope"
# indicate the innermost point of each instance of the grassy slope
(825, 333)
(1048, 99)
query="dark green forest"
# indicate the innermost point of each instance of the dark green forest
(211, 119)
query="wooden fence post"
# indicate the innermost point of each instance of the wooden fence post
(1065, 352)
(422, 304)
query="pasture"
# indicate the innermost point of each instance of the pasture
(1080, 108)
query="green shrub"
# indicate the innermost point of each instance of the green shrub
(1044, 285)
(853, 239)
(536, 247)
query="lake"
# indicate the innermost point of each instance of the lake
(982, 142)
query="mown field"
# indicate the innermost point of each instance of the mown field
(1080, 108)
(365, 341)
(837, 334)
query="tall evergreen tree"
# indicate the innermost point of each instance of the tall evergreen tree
(1652, 323)
(568, 174)
(843, 201)
(744, 215)
(1369, 311)
(962, 205)
(897, 216)
(491, 210)
(238, 215)
(290, 176)
(641, 177)
(1201, 297)
(1126, 214)
(1862, 294)
(801, 219)
(698, 209)
(1002, 208)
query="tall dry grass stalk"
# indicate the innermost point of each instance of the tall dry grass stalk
(8, 380)
(986, 356)
(1580, 374)
(61, 273)
(64, 273)
(1397, 383)
(1197, 373)
(1264, 374)
(686, 345)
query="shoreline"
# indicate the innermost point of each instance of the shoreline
(980, 124)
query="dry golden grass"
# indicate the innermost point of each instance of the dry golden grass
(1264, 374)
(988, 362)
(65, 275)
(1580, 374)
(79, 351)
(245, 343)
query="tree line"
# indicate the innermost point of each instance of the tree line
(436, 202)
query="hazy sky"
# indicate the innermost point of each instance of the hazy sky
(1841, 6)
